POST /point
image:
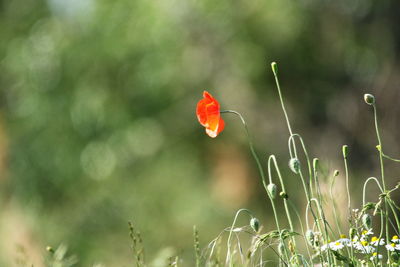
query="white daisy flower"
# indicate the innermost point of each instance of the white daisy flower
(344, 240)
(336, 246)
(391, 247)
(395, 239)
(324, 247)
(367, 232)
(376, 255)
(376, 241)
(364, 248)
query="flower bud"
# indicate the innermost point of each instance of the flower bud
(394, 256)
(369, 99)
(255, 224)
(283, 195)
(352, 233)
(345, 150)
(310, 237)
(281, 248)
(294, 165)
(315, 163)
(272, 189)
(378, 147)
(274, 67)
(367, 221)
(335, 173)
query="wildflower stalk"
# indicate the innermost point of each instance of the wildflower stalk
(229, 254)
(382, 171)
(272, 158)
(261, 171)
(346, 169)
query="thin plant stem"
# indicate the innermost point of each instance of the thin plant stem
(229, 254)
(346, 169)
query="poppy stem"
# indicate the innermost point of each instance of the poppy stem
(253, 152)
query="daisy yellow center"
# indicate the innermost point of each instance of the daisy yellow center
(374, 238)
(392, 244)
(343, 236)
(364, 232)
(337, 243)
(375, 254)
(395, 237)
(364, 243)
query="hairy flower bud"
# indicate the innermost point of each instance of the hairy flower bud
(272, 190)
(281, 248)
(345, 150)
(310, 237)
(352, 233)
(255, 224)
(367, 221)
(283, 195)
(369, 99)
(294, 165)
(274, 67)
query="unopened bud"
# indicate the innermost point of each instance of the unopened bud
(335, 173)
(379, 148)
(272, 190)
(345, 150)
(369, 99)
(50, 249)
(283, 195)
(294, 165)
(255, 224)
(310, 237)
(367, 221)
(281, 248)
(274, 67)
(315, 163)
(352, 233)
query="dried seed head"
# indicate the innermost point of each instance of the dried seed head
(272, 190)
(369, 99)
(294, 165)
(255, 224)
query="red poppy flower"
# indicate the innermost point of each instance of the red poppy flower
(208, 114)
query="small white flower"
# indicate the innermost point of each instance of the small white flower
(363, 247)
(376, 241)
(391, 247)
(336, 246)
(344, 240)
(395, 239)
(324, 247)
(367, 233)
(376, 255)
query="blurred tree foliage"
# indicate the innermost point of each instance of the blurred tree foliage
(97, 108)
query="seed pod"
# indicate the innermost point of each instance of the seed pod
(283, 195)
(294, 165)
(310, 237)
(345, 150)
(272, 189)
(367, 221)
(352, 233)
(255, 224)
(369, 99)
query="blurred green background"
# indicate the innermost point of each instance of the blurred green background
(98, 125)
